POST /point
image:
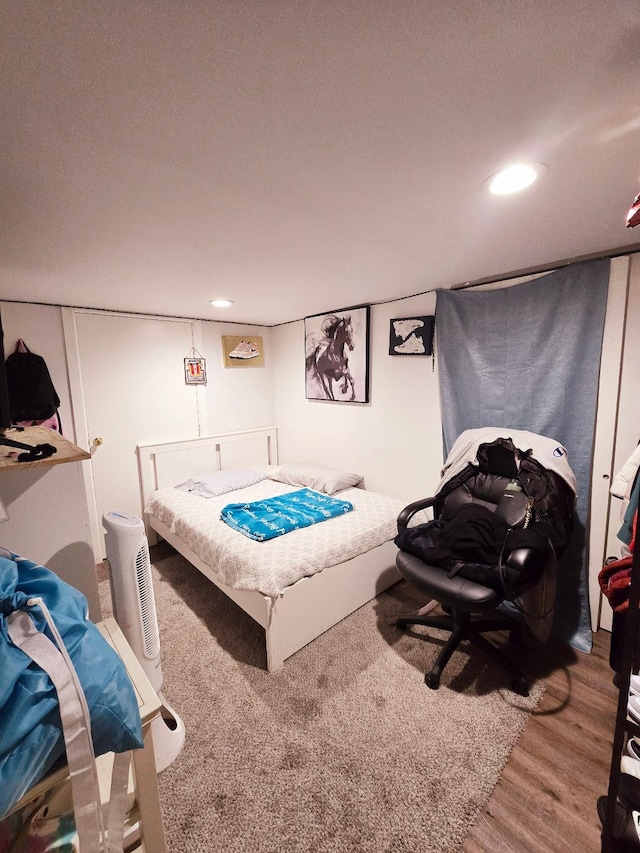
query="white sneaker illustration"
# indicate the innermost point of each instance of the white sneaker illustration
(413, 345)
(245, 350)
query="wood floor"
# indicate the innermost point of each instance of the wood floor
(545, 801)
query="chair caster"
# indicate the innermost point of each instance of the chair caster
(520, 685)
(432, 681)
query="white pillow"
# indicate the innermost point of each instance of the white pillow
(321, 479)
(221, 482)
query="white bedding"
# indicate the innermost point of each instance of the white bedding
(271, 566)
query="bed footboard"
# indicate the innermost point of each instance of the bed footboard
(311, 606)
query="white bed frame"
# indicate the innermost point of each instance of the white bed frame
(308, 607)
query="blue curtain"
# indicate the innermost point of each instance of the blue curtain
(528, 357)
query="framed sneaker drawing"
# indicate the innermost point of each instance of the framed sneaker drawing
(411, 336)
(337, 356)
(242, 351)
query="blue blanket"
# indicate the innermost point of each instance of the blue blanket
(262, 520)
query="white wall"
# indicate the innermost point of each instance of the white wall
(395, 440)
(628, 415)
(47, 506)
(236, 397)
(628, 431)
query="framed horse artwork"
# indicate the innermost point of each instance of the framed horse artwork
(337, 356)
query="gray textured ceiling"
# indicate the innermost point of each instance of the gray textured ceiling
(298, 156)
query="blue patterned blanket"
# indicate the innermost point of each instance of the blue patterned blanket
(262, 520)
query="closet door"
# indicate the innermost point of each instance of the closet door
(128, 388)
(627, 429)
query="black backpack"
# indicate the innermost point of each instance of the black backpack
(32, 396)
(553, 498)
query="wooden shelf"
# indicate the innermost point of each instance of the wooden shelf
(66, 451)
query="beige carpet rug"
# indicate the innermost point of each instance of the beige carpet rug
(344, 749)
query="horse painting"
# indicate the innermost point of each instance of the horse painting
(327, 361)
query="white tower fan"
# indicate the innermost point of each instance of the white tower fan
(134, 609)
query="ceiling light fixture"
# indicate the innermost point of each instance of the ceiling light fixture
(221, 303)
(514, 179)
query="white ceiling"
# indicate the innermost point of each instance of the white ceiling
(301, 156)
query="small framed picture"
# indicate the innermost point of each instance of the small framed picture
(411, 336)
(242, 351)
(195, 371)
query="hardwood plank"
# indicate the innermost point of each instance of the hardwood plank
(546, 797)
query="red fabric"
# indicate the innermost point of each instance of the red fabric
(615, 576)
(615, 580)
(633, 217)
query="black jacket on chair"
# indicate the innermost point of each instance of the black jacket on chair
(478, 552)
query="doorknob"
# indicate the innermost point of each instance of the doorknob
(98, 441)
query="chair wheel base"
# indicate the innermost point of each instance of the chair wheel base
(432, 681)
(462, 628)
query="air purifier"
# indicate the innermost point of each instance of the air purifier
(134, 610)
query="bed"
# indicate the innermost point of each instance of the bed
(341, 571)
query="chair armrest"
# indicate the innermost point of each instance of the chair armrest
(409, 511)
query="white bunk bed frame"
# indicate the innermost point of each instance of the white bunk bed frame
(308, 607)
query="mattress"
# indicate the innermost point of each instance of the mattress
(269, 567)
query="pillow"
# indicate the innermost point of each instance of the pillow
(321, 479)
(221, 482)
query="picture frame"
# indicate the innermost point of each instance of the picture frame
(337, 355)
(242, 351)
(411, 335)
(195, 371)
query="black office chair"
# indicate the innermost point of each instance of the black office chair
(486, 545)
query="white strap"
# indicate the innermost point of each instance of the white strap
(76, 723)
(118, 801)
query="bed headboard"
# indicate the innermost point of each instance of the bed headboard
(171, 462)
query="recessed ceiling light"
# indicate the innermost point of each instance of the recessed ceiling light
(514, 178)
(221, 303)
